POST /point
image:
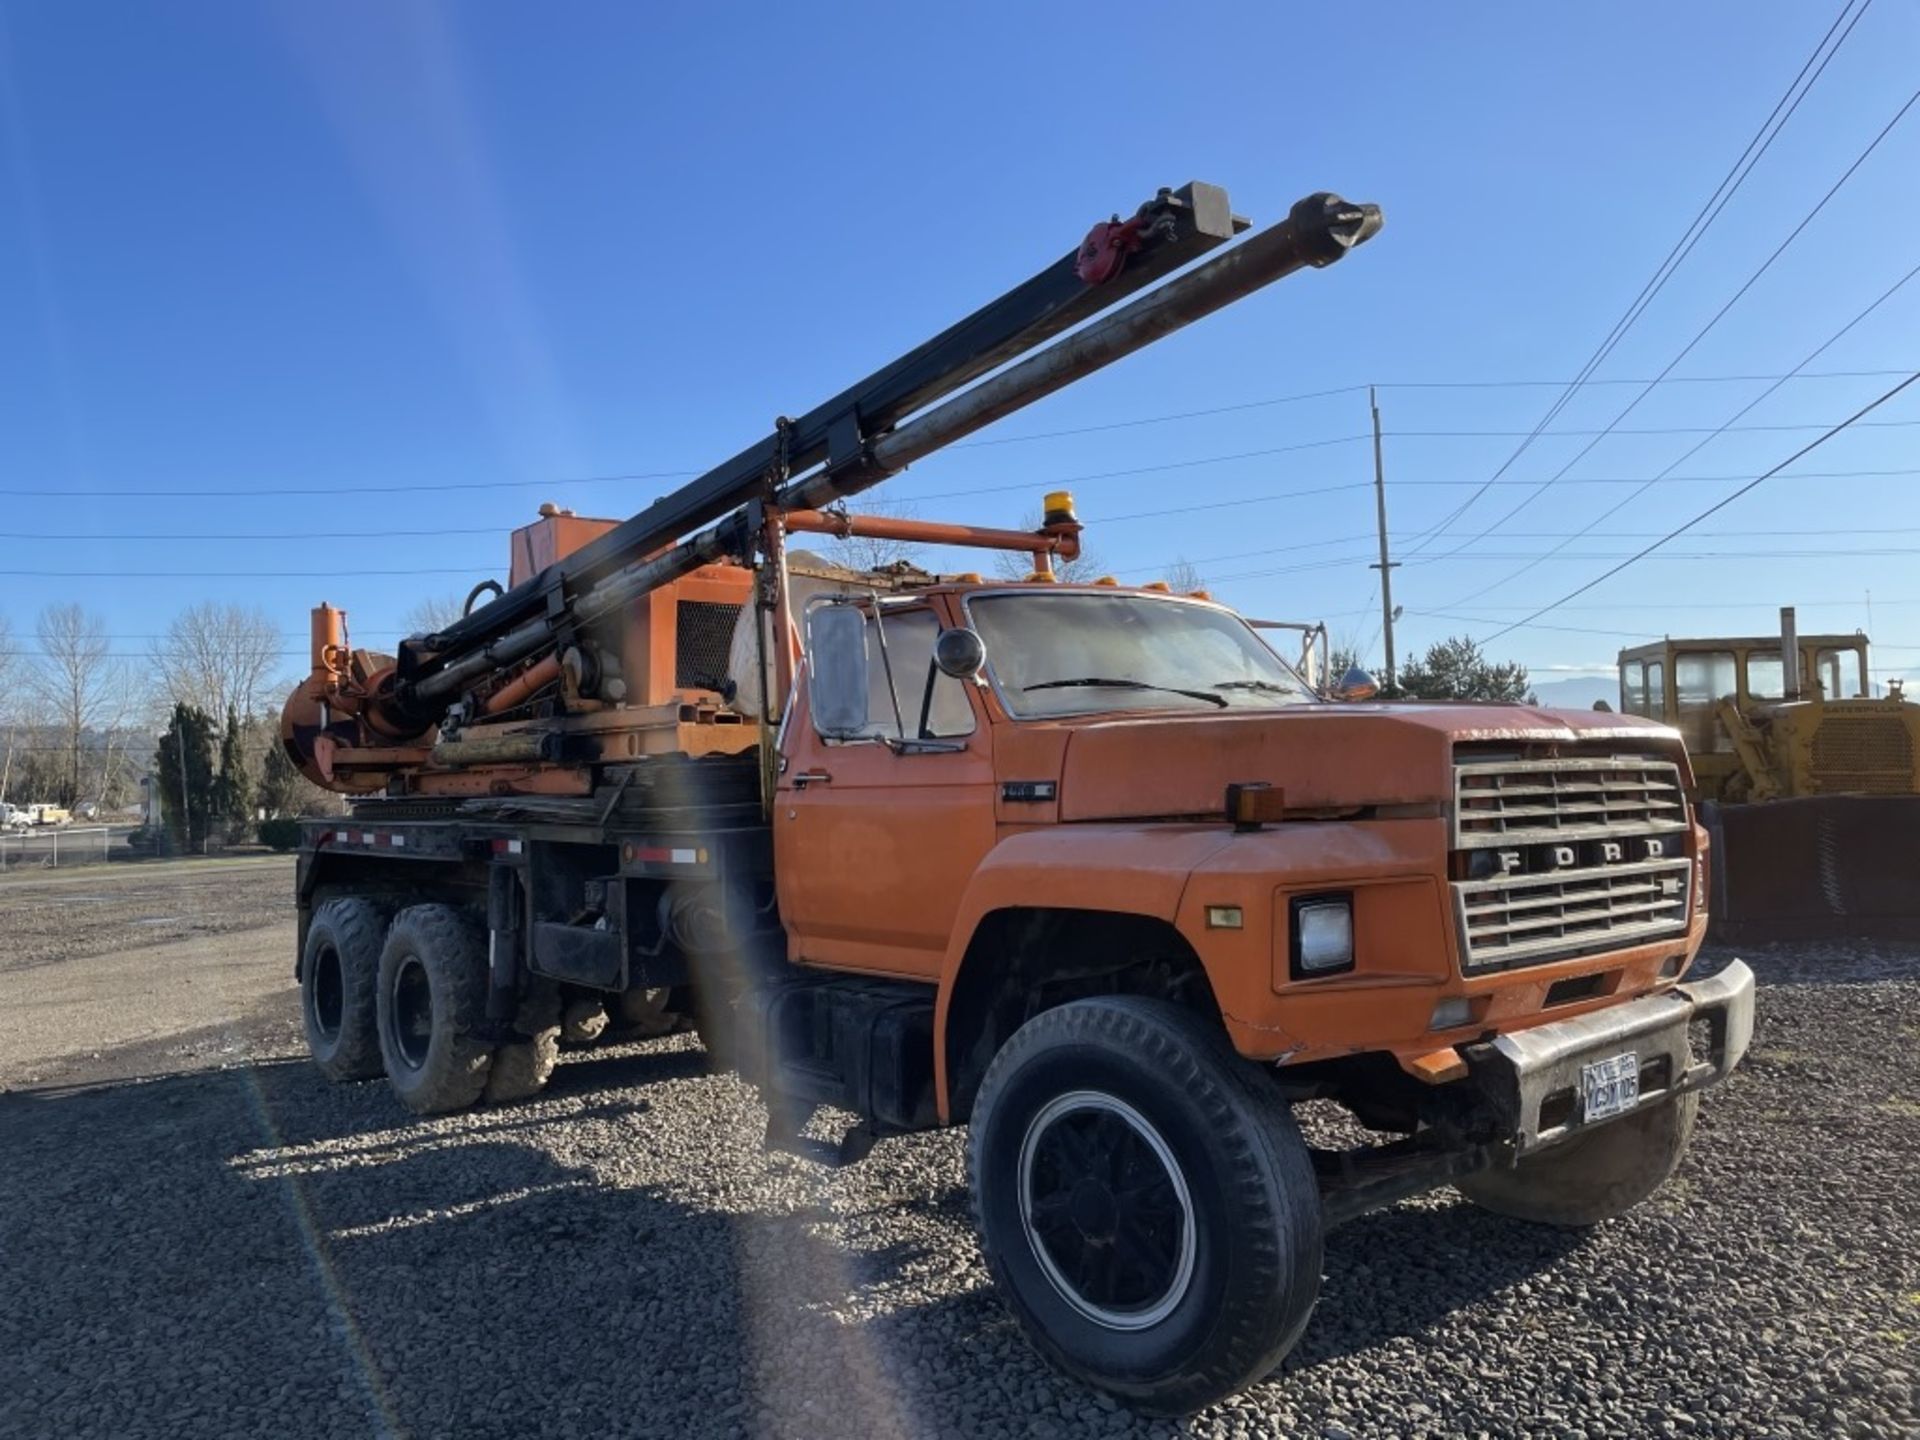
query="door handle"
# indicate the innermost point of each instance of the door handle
(811, 777)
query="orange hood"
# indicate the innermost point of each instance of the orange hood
(1322, 756)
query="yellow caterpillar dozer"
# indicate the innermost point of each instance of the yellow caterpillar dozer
(1806, 780)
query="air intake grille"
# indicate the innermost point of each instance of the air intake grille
(1527, 919)
(1565, 857)
(703, 639)
(1863, 755)
(1527, 802)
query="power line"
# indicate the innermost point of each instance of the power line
(1712, 509)
(1706, 329)
(1703, 534)
(234, 574)
(1565, 629)
(1273, 400)
(1682, 479)
(1709, 430)
(1679, 605)
(1601, 384)
(1620, 505)
(338, 489)
(254, 535)
(1695, 557)
(1827, 553)
(1189, 464)
(1098, 520)
(1730, 184)
(66, 493)
(1247, 554)
(1194, 462)
(1158, 419)
(1709, 212)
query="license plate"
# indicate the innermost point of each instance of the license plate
(1610, 1087)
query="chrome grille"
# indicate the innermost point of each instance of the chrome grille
(1522, 919)
(1537, 802)
(1564, 857)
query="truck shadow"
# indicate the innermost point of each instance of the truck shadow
(585, 1072)
(1398, 1273)
(304, 1259)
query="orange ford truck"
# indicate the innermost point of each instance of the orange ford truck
(1088, 868)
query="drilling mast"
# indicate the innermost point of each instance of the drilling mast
(527, 693)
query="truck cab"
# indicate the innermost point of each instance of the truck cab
(1110, 769)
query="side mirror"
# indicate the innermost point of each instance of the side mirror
(960, 653)
(1356, 684)
(837, 665)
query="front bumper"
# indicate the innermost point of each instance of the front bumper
(1688, 1038)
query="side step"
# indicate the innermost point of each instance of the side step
(863, 1046)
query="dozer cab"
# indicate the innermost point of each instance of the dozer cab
(1790, 718)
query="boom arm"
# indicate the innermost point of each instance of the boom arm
(867, 433)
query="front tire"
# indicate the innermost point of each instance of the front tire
(1592, 1177)
(339, 973)
(1147, 1207)
(432, 1000)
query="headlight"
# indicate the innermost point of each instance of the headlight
(1322, 933)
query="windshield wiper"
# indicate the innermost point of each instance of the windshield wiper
(1266, 686)
(1104, 682)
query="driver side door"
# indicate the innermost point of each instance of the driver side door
(875, 843)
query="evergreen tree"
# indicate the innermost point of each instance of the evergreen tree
(1457, 669)
(232, 787)
(183, 773)
(280, 784)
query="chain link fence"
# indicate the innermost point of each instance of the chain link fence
(59, 847)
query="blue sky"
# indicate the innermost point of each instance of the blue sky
(378, 278)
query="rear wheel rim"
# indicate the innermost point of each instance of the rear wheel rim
(1106, 1210)
(412, 1025)
(327, 1002)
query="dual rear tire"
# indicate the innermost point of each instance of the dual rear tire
(339, 971)
(431, 1003)
(409, 999)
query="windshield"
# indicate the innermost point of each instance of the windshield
(1071, 653)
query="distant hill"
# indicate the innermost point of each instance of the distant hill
(1578, 692)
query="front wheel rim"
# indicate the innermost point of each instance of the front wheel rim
(1106, 1209)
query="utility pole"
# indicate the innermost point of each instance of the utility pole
(186, 799)
(1386, 566)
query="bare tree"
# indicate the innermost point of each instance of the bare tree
(73, 678)
(865, 552)
(218, 657)
(434, 613)
(1012, 565)
(121, 699)
(1182, 577)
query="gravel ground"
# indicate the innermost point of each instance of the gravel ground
(50, 917)
(253, 1252)
(86, 994)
